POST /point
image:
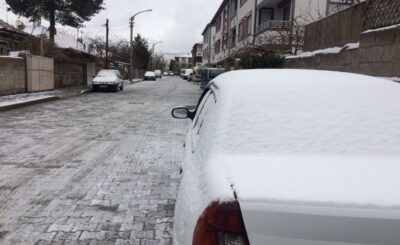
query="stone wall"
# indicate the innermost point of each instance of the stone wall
(68, 75)
(377, 55)
(12, 76)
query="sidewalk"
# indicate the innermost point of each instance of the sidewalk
(18, 100)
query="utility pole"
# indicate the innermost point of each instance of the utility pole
(107, 32)
(131, 24)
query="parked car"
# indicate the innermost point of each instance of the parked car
(165, 73)
(150, 76)
(208, 74)
(171, 73)
(108, 80)
(183, 71)
(158, 73)
(187, 75)
(291, 157)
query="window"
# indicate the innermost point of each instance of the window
(233, 11)
(218, 46)
(266, 14)
(245, 27)
(218, 24)
(286, 13)
(233, 37)
(208, 101)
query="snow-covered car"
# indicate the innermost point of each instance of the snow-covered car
(165, 73)
(158, 73)
(187, 75)
(150, 76)
(171, 73)
(108, 79)
(291, 157)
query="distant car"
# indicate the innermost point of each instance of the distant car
(187, 75)
(171, 73)
(158, 73)
(165, 73)
(291, 157)
(150, 76)
(208, 74)
(108, 80)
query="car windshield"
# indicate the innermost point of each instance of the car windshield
(215, 73)
(107, 73)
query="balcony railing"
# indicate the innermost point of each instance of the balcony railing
(273, 25)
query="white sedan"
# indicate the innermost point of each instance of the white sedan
(108, 80)
(291, 157)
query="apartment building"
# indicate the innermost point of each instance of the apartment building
(239, 25)
(197, 55)
(183, 62)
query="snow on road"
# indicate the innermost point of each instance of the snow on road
(101, 168)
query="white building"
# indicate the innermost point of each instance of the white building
(241, 24)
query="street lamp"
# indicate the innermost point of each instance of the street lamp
(131, 23)
(153, 54)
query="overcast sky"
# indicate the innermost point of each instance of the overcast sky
(177, 23)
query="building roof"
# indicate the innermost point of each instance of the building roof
(7, 27)
(219, 11)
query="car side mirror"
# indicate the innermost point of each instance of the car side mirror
(182, 113)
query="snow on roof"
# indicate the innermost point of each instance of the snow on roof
(8, 27)
(307, 112)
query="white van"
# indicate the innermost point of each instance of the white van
(158, 73)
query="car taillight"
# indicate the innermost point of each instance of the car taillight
(221, 224)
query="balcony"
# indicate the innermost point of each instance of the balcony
(273, 25)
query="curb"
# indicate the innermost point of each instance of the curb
(28, 103)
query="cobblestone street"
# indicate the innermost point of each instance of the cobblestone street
(102, 168)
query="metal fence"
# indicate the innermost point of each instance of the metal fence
(381, 13)
(336, 30)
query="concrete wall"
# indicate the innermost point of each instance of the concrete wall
(40, 73)
(377, 55)
(91, 72)
(12, 76)
(68, 75)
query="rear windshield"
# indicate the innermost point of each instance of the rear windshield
(112, 74)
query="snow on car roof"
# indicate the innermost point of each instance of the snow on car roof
(307, 112)
(303, 136)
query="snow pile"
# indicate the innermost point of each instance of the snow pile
(333, 50)
(14, 55)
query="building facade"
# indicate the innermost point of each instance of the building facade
(11, 38)
(197, 55)
(183, 62)
(240, 25)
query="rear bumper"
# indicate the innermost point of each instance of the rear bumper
(149, 78)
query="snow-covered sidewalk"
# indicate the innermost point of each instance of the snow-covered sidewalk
(18, 100)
